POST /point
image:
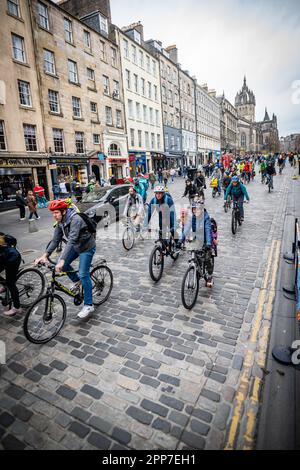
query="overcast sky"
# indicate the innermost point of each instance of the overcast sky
(220, 41)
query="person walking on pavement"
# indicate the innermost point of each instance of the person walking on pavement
(10, 260)
(165, 174)
(63, 188)
(21, 204)
(152, 179)
(172, 174)
(31, 203)
(160, 176)
(56, 190)
(78, 192)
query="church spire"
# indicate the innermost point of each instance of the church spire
(266, 118)
(245, 81)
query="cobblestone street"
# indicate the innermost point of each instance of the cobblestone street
(144, 373)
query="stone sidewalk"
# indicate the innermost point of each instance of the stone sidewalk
(144, 373)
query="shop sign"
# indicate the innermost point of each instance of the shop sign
(17, 162)
(117, 160)
(52, 167)
(68, 161)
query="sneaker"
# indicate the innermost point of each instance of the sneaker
(13, 311)
(23, 218)
(86, 312)
(209, 282)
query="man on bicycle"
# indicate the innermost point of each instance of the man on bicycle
(270, 171)
(164, 204)
(198, 227)
(190, 190)
(80, 244)
(238, 192)
(134, 208)
(200, 183)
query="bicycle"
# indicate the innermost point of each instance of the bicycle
(161, 249)
(236, 217)
(227, 204)
(269, 183)
(130, 234)
(31, 285)
(191, 281)
(46, 317)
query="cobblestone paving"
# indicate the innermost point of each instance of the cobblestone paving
(144, 373)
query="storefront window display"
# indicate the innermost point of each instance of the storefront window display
(10, 183)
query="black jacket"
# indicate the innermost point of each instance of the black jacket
(20, 201)
(190, 190)
(200, 181)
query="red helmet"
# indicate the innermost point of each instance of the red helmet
(57, 205)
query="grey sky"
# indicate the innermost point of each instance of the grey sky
(221, 40)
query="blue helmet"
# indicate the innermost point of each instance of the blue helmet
(235, 179)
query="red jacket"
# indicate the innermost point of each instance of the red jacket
(39, 191)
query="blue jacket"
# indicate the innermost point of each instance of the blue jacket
(236, 191)
(154, 203)
(8, 254)
(193, 225)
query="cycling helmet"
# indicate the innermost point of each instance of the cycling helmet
(197, 204)
(160, 189)
(57, 205)
(235, 179)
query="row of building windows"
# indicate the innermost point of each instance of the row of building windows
(135, 113)
(171, 99)
(171, 143)
(138, 57)
(30, 137)
(139, 86)
(169, 74)
(155, 142)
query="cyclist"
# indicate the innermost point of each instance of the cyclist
(238, 192)
(198, 227)
(217, 175)
(247, 171)
(263, 167)
(134, 208)
(80, 244)
(270, 171)
(281, 162)
(190, 190)
(140, 188)
(226, 180)
(10, 260)
(164, 204)
(200, 183)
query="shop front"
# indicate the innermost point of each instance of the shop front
(98, 166)
(159, 161)
(18, 173)
(173, 160)
(118, 167)
(138, 163)
(68, 167)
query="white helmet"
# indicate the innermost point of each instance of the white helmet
(160, 189)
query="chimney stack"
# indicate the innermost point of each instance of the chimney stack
(173, 52)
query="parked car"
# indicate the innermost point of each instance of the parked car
(106, 203)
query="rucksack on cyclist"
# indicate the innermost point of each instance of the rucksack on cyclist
(10, 241)
(214, 236)
(90, 221)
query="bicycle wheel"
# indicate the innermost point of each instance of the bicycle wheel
(45, 319)
(102, 280)
(226, 207)
(156, 264)
(128, 238)
(31, 284)
(234, 223)
(190, 288)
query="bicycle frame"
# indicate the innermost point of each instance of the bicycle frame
(198, 263)
(164, 245)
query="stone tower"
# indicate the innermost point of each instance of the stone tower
(245, 103)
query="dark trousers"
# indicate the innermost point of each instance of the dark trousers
(22, 212)
(31, 215)
(240, 201)
(11, 271)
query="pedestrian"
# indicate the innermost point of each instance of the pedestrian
(21, 204)
(78, 192)
(152, 179)
(97, 186)
(113, 180)
(10, 260)
(56, 190)
(68, 188)
(31, 203)
(165, 175)
(73, 184)
(160, 176)
(172, 174)
(63, 188)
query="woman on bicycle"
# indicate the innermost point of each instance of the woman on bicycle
(10, 260)
(238, 193)
(80, 244)
(198, 227)
(134, 208)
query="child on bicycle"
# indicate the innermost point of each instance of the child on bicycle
(198, 227)
(10, 260)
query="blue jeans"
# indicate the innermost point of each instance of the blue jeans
(85, 261)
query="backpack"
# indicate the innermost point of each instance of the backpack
(10, 241)
(90, 222)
